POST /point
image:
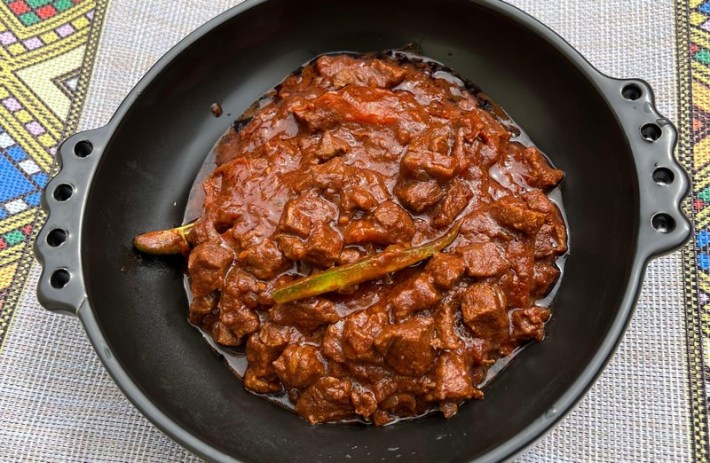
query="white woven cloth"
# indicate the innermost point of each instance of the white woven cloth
(58, 404)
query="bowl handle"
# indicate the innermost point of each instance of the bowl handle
(58, 244)
(663, 183)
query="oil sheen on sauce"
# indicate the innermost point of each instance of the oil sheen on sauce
(235, 358)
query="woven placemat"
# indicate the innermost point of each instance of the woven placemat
(58, 404)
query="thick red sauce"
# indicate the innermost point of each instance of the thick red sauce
(348, 156)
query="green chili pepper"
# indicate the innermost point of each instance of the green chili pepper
(172, 241)
(366, 269)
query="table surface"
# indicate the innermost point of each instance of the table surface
(59, 404)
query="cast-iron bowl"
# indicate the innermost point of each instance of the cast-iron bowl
(135, 174)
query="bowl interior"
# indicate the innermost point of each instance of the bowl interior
(146, 171)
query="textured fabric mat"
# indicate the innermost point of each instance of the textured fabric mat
(57, 403)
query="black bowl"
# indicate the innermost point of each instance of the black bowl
(135, 174)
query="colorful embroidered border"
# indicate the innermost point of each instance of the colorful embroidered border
(47, 49)
(693, 40)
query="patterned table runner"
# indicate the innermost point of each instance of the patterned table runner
(65, 65)
(46, 52)
(693, 34)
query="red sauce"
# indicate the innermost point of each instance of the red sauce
(347, 156)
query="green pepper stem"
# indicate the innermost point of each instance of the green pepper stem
(363, 270)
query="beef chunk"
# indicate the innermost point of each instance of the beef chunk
(259, 384)
(418, 196)
(364, 401)
(355, 197)
(242, 287)
(388, 224)
(539, 174)
(393, 219)
(293, 248)
(260, 375)
(479, 225)
(407, 346)
(551, 239)
(208, 263)
(262, 350)
(349, 71)
(299, 366)
(529, 324)
(204, 229)
(328, 399)
(333, 343)
(492, 132)
(307, 314)
(444, 322)
(515, 214)
(424, 164)
(483, 309)
(378, 377)
(331, 145)
(453, 379)
(360, 331)
(356, 187)
(277, 337)
(202, 306)
(239, 297)
(264, 260)
(445, 269)
(361, 105)
(483, 259)
(457, 197)
(412, 295)
(223, 335)
(448, 409)
(301, 213)
(240, 320)
(349, 255)
(323, 245)
(518, 282)
(400, 404)
(330, 175)
(544, 276)
(382, 418)
(540, 202)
